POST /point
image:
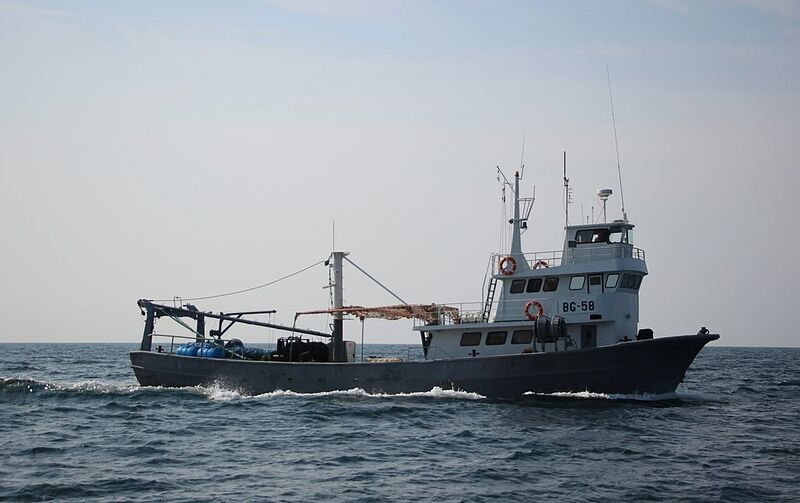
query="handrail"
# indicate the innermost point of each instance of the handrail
(557, 258)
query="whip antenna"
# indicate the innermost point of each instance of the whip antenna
(616, 145)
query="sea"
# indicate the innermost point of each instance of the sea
(75, 426)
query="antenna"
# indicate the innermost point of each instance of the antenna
(616, 145)
(566, 193)
(522, 158)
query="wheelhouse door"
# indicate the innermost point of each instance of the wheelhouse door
(595, 283)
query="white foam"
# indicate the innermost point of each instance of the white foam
(95, 387)
(218, 393)
(645, 397)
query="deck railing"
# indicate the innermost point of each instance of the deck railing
(181, 339)
(557, 258)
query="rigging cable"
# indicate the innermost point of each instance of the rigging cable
(248, 289)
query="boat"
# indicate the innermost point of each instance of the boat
(564, 321)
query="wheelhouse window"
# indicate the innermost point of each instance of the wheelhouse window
(471, 339)
(522, 337)
(631, 281)
(588, 236)
(496, 338)
(577, 282)
(550, 285)
(612, 235)
(618, 235)
(518, 286)
(611, 280)
(534, 285)
(628, 281)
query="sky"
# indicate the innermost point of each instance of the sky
(153, 149)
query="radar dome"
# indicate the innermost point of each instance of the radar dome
(604, 193)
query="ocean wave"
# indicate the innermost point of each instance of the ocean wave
(221, 394)
(12, 385)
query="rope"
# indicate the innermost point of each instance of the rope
(248, 289)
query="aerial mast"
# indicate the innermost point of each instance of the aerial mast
(616, 146)
(566, 193)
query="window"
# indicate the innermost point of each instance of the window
(577, 282)
(627, 281)
(550, 285)
(630, 281)
(496, 338)
(611, 280)
(534, 285)
(601, 235)
(618, 235)
(518, 286)
(596, 279)
(582, 237)
(522, 337)
(471, 339)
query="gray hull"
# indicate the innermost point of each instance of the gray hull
(650, 366)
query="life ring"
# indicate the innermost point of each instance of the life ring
(540, 263)
(537, 305)
(502, 266)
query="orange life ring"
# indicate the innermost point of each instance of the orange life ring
(540, 263)
(502, 266)
(537, 305)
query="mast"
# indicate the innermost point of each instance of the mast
(338, 303)
(516, 233)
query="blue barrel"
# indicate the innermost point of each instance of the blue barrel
(216, 352)
(181, 350)
(193, 349)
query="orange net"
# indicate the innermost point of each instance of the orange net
(430, 313)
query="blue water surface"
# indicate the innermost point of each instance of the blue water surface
(75, 426)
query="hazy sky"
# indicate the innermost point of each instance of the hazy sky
(152, 149)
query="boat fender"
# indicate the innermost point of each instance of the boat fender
(508, 271)
(541, 263)
(539, 309)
